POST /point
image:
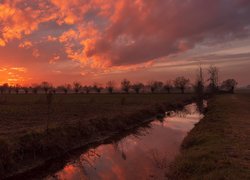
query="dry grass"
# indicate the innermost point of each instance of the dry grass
(219, 146)
(22, 113)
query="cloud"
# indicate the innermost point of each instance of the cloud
(19, 69)
(19, 18)
(110, 36)
(54, 59)
(35, 53)
(26, 44)
(154, 29)
(13, 75)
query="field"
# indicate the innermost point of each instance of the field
(219, 146)
(73, 120)
(22, 113)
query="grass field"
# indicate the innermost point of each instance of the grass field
(74, 119)
(219, 146)
(22, 113)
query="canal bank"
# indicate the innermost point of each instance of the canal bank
(218, 147)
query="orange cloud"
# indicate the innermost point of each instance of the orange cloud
(17, 22)
(26, 44)
(35, 53)
(2, 42)
(54, 59)
(13, 75)
(19, 69)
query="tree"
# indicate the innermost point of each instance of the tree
(25, 89)
(110, 86)
(229, 85)
(10, 89)
(168, 86)
(97, 87)
(4, 88)
(87, 89)
(125, 85)
(199, 84)
(155, 85)
(137, 87)
(77, 87)
(181, 83)
(53, 90)
(35, 88)
(213, 72)
(65, 88)
(17, 88)
(199, 90)
(46, 86)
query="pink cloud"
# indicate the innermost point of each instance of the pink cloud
(140, 31)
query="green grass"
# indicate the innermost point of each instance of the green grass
(219, 145)
(75, 119)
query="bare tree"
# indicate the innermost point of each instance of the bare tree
(35, 88)
(137, 87)
(53, 89)
(46, 86)
(62, 88)
(10, 89)
(77, 86)
(17, 88)
(110, 86)
(4, 87)
(181, 83)
(97, 87)
(125, 85)
(213, 72)
(87, 89)
(199, 90)
(229, 85)
(65, 88)
(199, 84)
(155, 85)
(168, 86)
(25, 89)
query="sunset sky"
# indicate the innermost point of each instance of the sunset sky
(62, 41)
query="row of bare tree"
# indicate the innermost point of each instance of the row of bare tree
(127, 86)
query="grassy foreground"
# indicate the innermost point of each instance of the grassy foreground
(219, 145)
(74, 120)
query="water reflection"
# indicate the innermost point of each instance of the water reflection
(143, 155)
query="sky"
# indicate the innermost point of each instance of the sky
(62, 41)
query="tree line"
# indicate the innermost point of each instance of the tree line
(180, 83)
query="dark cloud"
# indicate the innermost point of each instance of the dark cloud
(145, 30)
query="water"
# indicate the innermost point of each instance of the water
(142, 155)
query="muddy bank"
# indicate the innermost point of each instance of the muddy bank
(36, 149)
